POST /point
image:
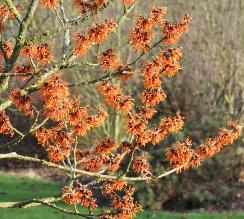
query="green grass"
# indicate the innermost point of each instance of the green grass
(16, 189)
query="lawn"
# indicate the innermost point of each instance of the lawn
(16, 189)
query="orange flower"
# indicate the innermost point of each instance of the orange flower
(22, 101)
(157, 14)
(6, 14)
(174, 32)
(111, 186)
(152, 97)
(92, 163)
(49, 3)
(57, 109)
(140, 39)
(172, 123)
(55, 94)
(109, 61)
(115, 98)
(57, 155)
(56, 141)
(180, 155)
(54, 88)
(126, 206)
(43, 54)
(128, 2)
(97, 120)
(5, 125)
(29, 50)
(100, 3)
(141, 35)
(214, 145)
(114, 162)
(126, 73)
(151, 73)
(100, 32)
(83, 45)
(82, 122)
(8, 48)
(170, 60)
(165, 63)
(145, 137)
(24, 68)
(167, 125)
(77, 113)
(105, 147)
(144, 23)
(89, 6)
(79, 195)
(137, 123)
(140, 165)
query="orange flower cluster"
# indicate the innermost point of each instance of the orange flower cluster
(114, 162)
(126, 206)
(58, 106)
(152, 97)
(214, 145)
(81, 121)
(83, 45)
(137, 126)
(3, 16)
(136, 123)
(174, 32)
(115, 98)
(5, 125)
(100, 32)
(6, 14)
(140, 37)
(56, 141)
(140, 165)
(111, 186)
(182, 156)
(165, 63)
(157, 15)
(49, 3)
(43, 54)
(29, 50)
(91, 160)
(105, 147)
(171, 59)
(109, 61)
(142, 34)
(125, 73)
(128, 2)
(40, 52)
(22, 102)
(23, 68)
(96, 34)
(79, 195)
(55, 95)
(8, 48)
(89, 6)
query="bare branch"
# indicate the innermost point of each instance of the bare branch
(14, 155)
